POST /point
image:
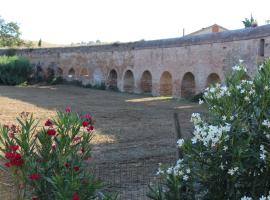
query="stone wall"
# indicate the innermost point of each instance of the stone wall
(180, 66)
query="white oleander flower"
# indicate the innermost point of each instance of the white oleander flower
(263, 198)
(252, 91)
(221, 166)
(194, 140)
(201, 101)
(209, 135)
(236, 68)
(266, 123)
(185, 177)
(195, 118)
(160, 171)
(262, 152)
(170, 170)
(246, 98)
(180, 142)
(233, 171)
(239, 68)
(261, 67)
(246, 198)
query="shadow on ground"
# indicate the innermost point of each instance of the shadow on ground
(128, 127)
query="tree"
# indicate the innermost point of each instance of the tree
(9, 34)
(39, 42)
(250, 22)
(28, 44)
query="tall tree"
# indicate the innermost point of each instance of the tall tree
(39, 42)
(9, 34)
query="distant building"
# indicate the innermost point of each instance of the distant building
(211, 29)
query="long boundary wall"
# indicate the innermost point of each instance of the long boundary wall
(180, 67)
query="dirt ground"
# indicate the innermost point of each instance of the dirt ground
(133, 132)
(128, 126)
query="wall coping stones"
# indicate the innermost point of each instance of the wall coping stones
(208, 38)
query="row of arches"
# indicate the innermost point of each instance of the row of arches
(128, 81)
(166, 82)
(188, 84)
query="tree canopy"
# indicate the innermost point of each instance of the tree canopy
(9, 34)
(250, 22)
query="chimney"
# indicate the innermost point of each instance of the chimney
(215, 28)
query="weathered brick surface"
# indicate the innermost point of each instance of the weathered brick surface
(200, 56)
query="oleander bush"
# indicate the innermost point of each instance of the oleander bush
(51, 162)
(14, 70)
(228, 155)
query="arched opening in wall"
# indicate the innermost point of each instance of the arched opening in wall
(212, 79)
(261, 48)
(146, 82)
(128, 81)
(50, 74)
(84, 72)
(59, 72)
(166, 84)
(39, 73)
(112, 80)
(99, 79)
(71, 73)
(188, 85)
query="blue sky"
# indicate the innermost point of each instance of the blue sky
(66, 21)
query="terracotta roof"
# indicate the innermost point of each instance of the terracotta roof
(207, 28)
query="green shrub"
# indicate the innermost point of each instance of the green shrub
(50, 77)
(57, 80)
(51, 162)
(197, 97)
(228, 156)
(100, 86)
(11, 52)
(88, 85)
(14, 70)
(74, 82)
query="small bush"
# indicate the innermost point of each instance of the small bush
(51, 162)
(197, 97)
(75, 83)
(50, 76)
(11, 52)
(228, 156)
(100, 86)
(87, 85)
(57, 80)
(14, 70)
